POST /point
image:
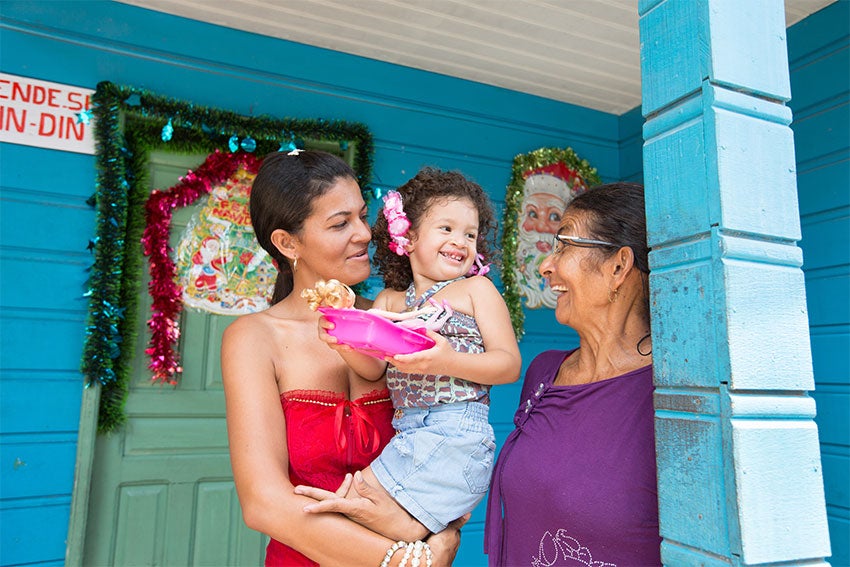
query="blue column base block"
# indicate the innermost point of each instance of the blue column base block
(690, 457)
(780, 498)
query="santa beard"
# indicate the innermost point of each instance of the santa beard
(531, 284)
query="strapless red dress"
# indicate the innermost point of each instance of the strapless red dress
(329, 436)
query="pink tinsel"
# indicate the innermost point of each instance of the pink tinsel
(164, 325)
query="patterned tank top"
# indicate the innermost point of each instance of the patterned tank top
(426, 390)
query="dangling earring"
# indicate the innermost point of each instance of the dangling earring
(640, 342)
(612, 295)
(294, 265)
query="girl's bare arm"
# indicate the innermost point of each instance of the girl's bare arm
(499, 364)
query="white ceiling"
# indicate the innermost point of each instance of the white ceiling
(584, 52)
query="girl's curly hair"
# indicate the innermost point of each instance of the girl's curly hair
(429, 186)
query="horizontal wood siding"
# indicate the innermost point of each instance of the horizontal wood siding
(45, 224)
(819, 60)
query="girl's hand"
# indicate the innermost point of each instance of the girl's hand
(435, 360)
(328, 339)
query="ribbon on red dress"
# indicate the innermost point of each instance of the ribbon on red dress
(365, 431)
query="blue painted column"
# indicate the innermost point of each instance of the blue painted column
(738, 458)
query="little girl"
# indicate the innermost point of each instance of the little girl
(431, 240)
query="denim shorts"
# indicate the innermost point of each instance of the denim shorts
(438, 465)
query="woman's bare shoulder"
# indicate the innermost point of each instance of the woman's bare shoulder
(249, 324)
(256, 330)
(264, 344)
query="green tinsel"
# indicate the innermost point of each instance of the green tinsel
(510, 225)
(128, 125)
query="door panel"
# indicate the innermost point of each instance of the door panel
(162, 487)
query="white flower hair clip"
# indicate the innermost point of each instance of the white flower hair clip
(295, 152)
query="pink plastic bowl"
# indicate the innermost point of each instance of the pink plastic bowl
(374, 335)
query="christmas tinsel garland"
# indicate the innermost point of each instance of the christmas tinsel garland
(511, 220)
(129, 123)
(164, 290)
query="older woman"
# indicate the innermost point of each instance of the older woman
(575, 482)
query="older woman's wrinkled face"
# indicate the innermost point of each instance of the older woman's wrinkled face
(574, 272)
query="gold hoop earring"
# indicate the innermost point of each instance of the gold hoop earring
(612, 295)
(294, 265)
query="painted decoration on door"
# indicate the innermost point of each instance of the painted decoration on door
(543, 183)
(221, 267)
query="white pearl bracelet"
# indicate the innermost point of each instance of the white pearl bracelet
(389, 555)
(414, 552)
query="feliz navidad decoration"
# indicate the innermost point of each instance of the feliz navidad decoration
(129, 123)
(542, 184)
(220, 266)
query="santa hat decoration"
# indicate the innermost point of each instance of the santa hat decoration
(559, 170)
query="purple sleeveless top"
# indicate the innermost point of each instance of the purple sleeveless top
(575, 482)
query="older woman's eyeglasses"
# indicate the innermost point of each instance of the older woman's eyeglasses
(564, 240)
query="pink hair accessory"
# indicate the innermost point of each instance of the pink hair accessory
(397, 223)
(479, 267)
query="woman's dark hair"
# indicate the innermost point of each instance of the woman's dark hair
(282, 197)
(430, 185)
(615, 213)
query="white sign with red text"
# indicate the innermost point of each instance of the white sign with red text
(45, 115)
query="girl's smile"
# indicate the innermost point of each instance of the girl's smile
(444, 244)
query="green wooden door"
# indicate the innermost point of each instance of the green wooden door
(162, 490)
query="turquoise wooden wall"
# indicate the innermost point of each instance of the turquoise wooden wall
(631, 146)
(819, 61)
(417, 118)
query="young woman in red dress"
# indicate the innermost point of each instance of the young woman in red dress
(296, 413)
